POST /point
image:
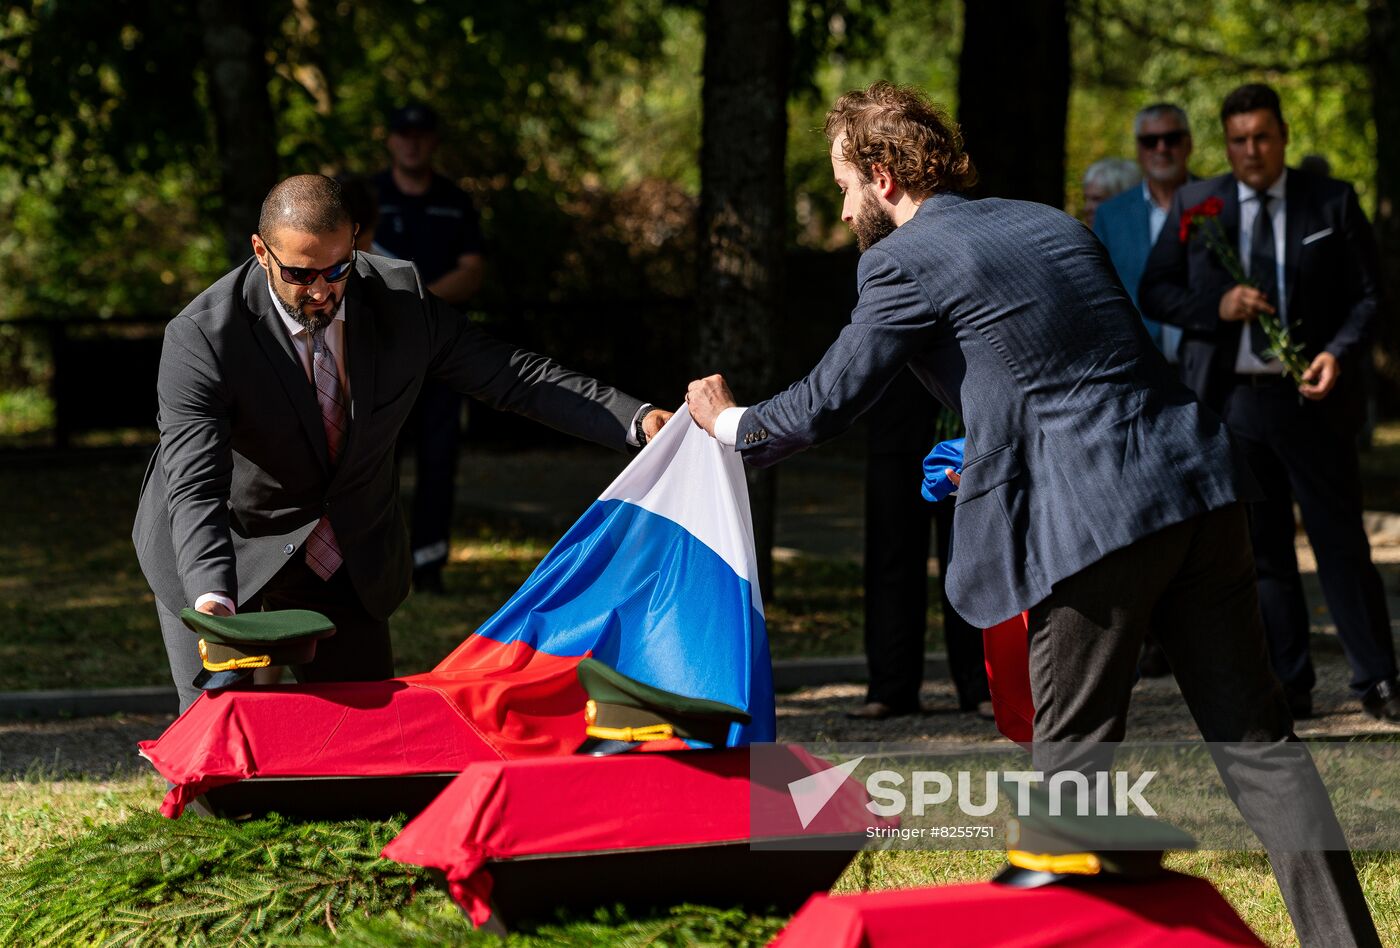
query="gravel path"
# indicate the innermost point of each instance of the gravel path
(87, 747)
(106, 747)
(1157, 712)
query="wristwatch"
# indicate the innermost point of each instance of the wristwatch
(638, 431)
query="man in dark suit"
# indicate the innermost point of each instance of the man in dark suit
(1097, 493)
(282, 389)
(901, 427)
(1310, 255)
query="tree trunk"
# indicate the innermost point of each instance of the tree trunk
(1013, 96)
(236, 64)
(1384, 17)
(743, 214)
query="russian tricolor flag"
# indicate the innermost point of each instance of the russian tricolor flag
(657, 579)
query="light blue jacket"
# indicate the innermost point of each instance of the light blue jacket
(1122, 224)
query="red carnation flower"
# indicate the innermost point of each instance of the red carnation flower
(1210, 207)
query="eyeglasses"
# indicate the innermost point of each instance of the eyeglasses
(305, 276)
(1170, 139)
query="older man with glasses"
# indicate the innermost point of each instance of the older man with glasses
(1129, 223)
(281, 392)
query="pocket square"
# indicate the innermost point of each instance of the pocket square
(1317, 236)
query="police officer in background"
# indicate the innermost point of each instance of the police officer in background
(426, 218)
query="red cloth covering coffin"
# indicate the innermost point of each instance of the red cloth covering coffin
(1007, 654)
(583, 805)
(1172, 910)
(438, 722)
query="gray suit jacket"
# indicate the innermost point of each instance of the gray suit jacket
(1080, 440)
(242, 472)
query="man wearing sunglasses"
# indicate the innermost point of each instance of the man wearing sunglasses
(1128, 224)
(282, 389)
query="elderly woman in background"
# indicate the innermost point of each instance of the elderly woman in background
(1104, 179)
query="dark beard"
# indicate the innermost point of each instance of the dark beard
(311, 322)
(871, 224)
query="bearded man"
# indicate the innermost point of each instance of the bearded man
(281, 392)
(1097, 493)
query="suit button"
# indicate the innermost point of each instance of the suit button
(288, 549)
(326, 504)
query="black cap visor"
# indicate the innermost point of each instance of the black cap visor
(213, 681)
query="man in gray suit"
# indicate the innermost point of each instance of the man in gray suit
(1097, 493)
(282, 389)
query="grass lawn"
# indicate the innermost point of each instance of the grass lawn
(204, 869)
(75, 611)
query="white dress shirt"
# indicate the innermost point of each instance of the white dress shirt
(1246, 362)
(727, 426)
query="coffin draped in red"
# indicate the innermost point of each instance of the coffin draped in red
(510, 809)
(437, 722)
(1173, 910)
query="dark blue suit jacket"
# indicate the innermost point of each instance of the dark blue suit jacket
(1330, 283)
(1080, 440)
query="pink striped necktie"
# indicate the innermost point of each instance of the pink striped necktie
(322, 550)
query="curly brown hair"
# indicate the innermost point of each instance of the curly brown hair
(900, 129)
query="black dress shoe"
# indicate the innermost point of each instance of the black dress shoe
(1382, 702)
(1299, 704)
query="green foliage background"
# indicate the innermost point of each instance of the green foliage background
(575, 125)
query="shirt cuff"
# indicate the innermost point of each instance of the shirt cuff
(632, 428)
(220, 598)
(727, 426)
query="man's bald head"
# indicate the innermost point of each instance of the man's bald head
(309, 203)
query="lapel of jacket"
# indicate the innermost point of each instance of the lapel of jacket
(359, 362)
(272, 336)
(1295, 213)
(1229, 194)
(1142, 223)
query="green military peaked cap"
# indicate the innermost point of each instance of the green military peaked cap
(623, 712)
(232, 647)
(1043, 848)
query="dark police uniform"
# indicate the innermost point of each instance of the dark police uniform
(903, 426)
(433, 230)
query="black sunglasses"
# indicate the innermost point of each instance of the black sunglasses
(305, 276)
(1172, 139)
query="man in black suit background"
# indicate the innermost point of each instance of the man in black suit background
(1311, 257)
(901, 428)
(282, 390)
